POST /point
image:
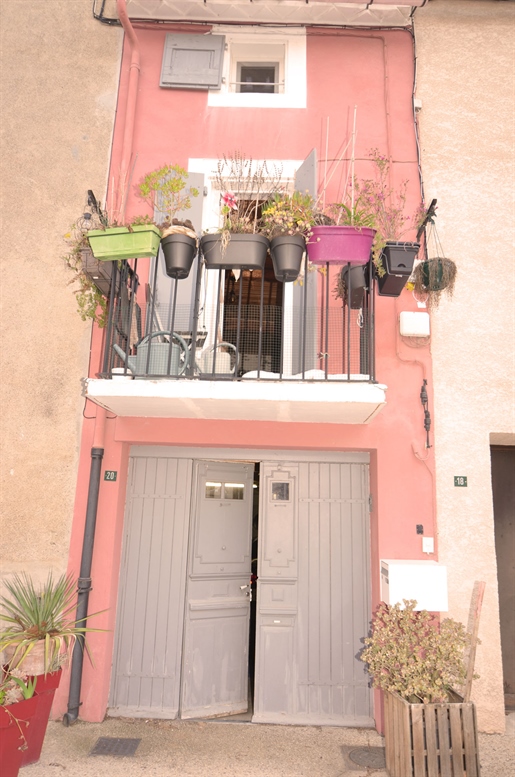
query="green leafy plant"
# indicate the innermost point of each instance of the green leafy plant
(91, 303)
(16, 686)
(166, 189)
(409, 654)
(386, 207)
(288, 214)
(352, 216)
(432, 277)
(40, 615)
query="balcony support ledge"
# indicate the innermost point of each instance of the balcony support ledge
(332, 402)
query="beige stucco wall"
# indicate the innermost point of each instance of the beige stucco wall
(59, 78)
(466, 59)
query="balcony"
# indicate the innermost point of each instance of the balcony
(239, 345)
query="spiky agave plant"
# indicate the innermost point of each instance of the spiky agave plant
(40, 615)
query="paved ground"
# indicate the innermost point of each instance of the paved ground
(216, 749)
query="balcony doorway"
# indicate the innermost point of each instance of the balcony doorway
(247, 284)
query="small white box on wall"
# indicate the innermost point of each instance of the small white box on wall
(424, 581)
(413, 324)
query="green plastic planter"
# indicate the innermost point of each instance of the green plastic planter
(115, 243)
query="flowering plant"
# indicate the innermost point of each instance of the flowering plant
(244, 185)
(409, 654)
(288, 214)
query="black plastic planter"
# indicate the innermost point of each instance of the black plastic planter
(397, 259)
(179, 252)
(287, 252)
(355, 280)
(244, 251)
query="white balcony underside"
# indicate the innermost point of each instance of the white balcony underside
(287, 401)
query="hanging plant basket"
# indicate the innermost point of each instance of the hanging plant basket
(179, 252)
(99, 273)
(287, 252)
(436, 274)
(243, 251)
(397, 261)
(340, 244)
(115, 243)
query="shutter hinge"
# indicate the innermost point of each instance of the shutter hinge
(370, 503)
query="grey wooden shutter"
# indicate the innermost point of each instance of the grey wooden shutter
(306, 175)
(306, 181)
(192, 61)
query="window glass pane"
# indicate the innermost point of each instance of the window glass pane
(257, 78)
(234, 490)
(213, 490)
(280, 492)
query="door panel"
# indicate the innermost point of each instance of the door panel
(150, 615)
(215, 663)
(313, 612)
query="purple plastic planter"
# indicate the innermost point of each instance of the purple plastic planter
(340, 244)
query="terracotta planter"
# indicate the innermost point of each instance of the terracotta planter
(246, 252)
(46, 687)
(287, 252)
(33, 664)
(15, 721)
(430, 740)
(397, 259)
(179, 252)
(340, 244)
(119, 243)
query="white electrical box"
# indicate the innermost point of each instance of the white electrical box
(413, 324)
(424, 581)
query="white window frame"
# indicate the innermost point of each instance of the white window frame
(292, 70)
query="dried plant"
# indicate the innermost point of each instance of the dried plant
(244, 186)
(432, 277)
(409, 654)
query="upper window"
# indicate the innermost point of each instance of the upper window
(262, 69)
(242, 67)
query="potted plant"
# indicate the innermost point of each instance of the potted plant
(418, 663)
(18, 708)
(167, 191)
(344, 237)
(286, 220)
(393, 257)
(433, 276)
(244, 186)
(38, 632)
(92, 276)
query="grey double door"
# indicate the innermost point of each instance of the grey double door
(182, 635)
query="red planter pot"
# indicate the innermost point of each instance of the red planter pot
(14, 727)
(45, 689)
(340, 244)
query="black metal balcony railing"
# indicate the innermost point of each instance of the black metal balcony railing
(217, 326)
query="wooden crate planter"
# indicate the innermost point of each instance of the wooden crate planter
(430, 740)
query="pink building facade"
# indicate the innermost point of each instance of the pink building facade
(360, 477)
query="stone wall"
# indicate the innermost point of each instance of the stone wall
(465, 62)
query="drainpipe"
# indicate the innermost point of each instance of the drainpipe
(97, 450)
(130, 109)
(84, 583)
